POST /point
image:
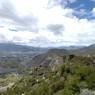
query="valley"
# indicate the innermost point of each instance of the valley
(52, 71)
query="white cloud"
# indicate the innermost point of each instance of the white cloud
(63, 3)
(76, 31)
(24, 7)
(93, 0)
(93, 11)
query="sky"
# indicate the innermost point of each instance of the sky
(46, 23)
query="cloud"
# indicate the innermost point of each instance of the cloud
(93, 0)
(82, 13)
(34, 23)
(57, 29)
(93, 11)
(7, 11)
(22, 37)
(2, 38)
(63, 3)
(40, 41)
(10, 15)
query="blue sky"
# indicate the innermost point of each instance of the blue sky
(86, 5)
(47, 23)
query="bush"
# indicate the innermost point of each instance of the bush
(87, 92)
(56, 86)
(72, 83)
(91, 81)
(65, 92)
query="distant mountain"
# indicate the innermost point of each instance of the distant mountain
(85, 50)
(14, 48)
(9, 47)
(71, 47)
(57, 51)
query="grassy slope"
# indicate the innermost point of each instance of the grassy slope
(67, 79)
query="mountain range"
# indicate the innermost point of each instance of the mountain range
(10, 47)
(35, 56)
(15, 48)
(89, 50)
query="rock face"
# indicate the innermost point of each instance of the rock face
(53, 56)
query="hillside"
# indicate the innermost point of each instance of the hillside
(85, 50)
(16, 63)
(57, 51)
(75, 78)
(52, 56)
